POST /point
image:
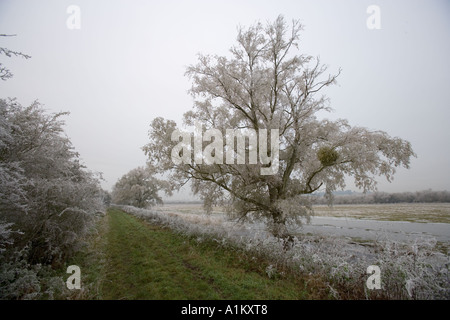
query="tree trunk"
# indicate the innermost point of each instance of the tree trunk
(278, 227)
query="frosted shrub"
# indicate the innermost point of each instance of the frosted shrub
(5, 235)
(415, 270)
(48, 200)
(19, 283)
(44, 189)
(22, 280)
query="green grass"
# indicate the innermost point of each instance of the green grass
(92, 262)
(143, 261)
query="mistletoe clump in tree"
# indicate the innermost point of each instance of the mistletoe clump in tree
(266, 84)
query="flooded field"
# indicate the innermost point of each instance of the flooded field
(377, 229)
(379, 221)
(363, 222)
(411, 212)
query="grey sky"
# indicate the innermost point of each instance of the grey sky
(126, 65)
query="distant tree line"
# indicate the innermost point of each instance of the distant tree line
(425, 196)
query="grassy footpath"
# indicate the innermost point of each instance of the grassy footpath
(142, 261)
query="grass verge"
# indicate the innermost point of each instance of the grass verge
(131, 259)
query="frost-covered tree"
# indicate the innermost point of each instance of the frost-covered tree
(137, 188)
(45, 192)
(266, 84)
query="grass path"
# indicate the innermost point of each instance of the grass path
(143, 261)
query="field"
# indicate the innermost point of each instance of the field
(411, 212)
(364, 223)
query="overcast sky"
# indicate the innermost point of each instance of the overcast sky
(125, 66)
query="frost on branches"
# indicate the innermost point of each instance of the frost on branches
(47, 198)
(265, 83)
